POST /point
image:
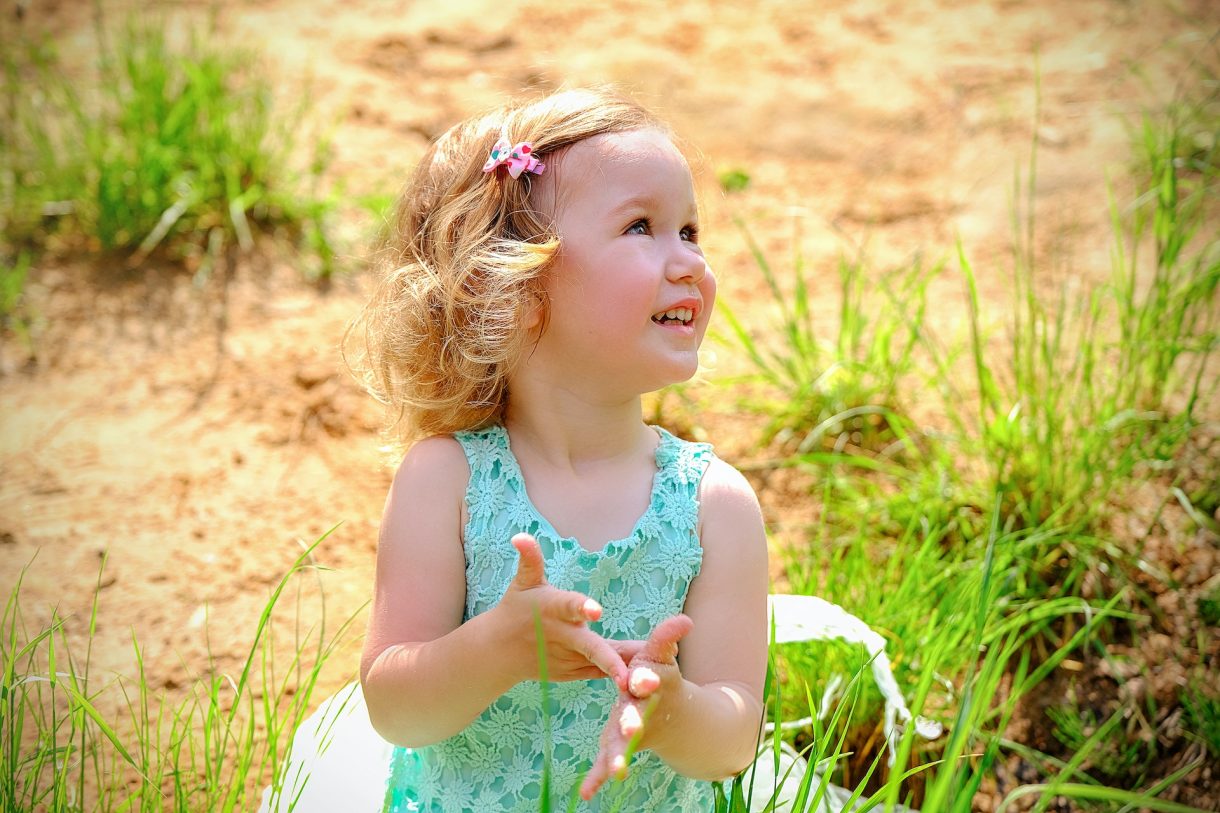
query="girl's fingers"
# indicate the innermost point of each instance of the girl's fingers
(583, 673)
(608, 762)
(626, 721)
(596, 777)
(604, 657)
(599, 773)
(574, 607)
(643, 682)
(569, 606)
(630, 721)
(662, 645)
(531, 572)
(627, 650)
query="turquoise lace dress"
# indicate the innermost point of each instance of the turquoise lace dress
(496, 764)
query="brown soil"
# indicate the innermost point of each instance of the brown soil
(197, 433)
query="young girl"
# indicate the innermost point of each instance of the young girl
(547, 272)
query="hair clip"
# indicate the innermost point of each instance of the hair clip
(518, 159)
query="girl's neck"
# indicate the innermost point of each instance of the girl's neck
(566, 428)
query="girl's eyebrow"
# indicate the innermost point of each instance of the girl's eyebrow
(633, 202)
(645, 201)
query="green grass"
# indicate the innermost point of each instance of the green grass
(1201, 707)
(979, 695)
(160, 146)
(840, 393)
(14, 317)
(1049, 419)
(1116, 754)
(733, 179)
(212, 748)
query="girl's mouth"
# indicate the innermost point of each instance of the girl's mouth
(675, 316)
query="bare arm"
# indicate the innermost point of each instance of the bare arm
(705, 715)
(425, 674)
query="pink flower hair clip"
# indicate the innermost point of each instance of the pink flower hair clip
(518, 159)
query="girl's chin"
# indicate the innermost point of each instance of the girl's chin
(680, 371)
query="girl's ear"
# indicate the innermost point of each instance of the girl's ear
(535, 312)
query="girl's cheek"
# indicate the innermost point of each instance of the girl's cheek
(707, 289)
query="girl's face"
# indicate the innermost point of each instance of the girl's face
(631, 293)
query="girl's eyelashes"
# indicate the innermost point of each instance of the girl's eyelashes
(689, 232)
(641, 226)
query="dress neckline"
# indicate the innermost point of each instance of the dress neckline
(660, 459)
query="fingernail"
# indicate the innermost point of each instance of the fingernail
(619, 766)
(593, 609)
(642, 680)
(630, 722)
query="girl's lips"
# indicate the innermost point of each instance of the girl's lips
(690, 303)
(682, 328)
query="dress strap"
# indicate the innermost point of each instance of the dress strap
(681, 465)
(683, 461)
(484, 448)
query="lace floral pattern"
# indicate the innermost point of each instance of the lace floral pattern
(495, 764)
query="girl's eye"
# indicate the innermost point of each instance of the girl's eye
(639, 227)
(690, 234)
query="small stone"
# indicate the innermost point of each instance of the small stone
(310, 376)
(1133, 690)
(1051, 136)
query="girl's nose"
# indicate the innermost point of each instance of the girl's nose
(686, 265)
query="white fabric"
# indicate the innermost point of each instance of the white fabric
(344, 760)
(808, 618)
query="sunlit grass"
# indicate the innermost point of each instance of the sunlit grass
(161, 146)
(211, 748)
(1048, 420)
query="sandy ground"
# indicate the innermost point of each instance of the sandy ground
(196, 436)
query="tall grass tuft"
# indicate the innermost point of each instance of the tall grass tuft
(839, 393)
(1075, 410)
(968, 664)
(160, 145)
(1042, 426)
(213, 749)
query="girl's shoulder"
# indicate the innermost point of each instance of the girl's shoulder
(731, 525)
(432, 464)
(722, 482)
(434, 450)
(726, 496)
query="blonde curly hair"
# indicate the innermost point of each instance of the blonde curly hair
(463, 264)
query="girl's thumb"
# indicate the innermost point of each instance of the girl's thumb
(531, 572)
(662, 645)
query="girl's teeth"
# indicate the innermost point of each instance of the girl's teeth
(677, 314)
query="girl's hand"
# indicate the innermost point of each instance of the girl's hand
(655, 682)
(573, 651)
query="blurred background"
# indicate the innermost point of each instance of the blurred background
(968, 256)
